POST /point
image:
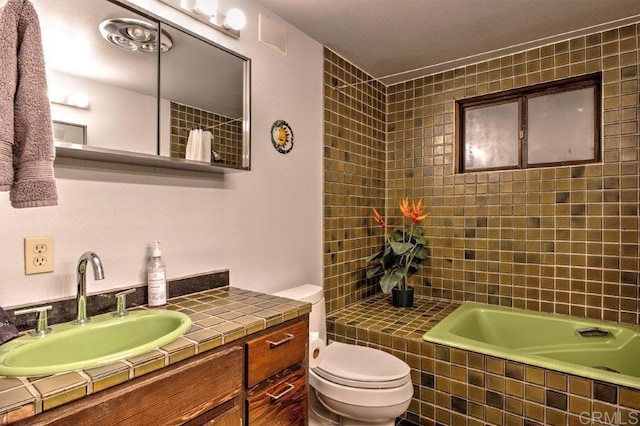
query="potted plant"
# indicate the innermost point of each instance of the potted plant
(402, 255)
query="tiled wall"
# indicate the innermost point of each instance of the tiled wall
(354, 178)
(226, 131)
(561, 239)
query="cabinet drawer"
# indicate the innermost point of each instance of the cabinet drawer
(226, 414)
(280, 401)
(275, 351)
(230, 418)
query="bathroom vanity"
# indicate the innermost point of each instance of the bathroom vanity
(243, 362)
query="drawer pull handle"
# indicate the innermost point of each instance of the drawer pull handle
(274, 398)
(280, 342)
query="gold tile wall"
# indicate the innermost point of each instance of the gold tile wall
(354, 178)
(226, 131)
(562, 239)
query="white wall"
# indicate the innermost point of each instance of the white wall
(264, 225)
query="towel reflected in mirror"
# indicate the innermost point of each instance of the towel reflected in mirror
(199, 145)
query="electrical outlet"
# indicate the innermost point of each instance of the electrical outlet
(38, 255)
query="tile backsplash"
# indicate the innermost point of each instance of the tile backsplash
(561, 239)
(65, 310)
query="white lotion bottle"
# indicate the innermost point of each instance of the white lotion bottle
(156, 278)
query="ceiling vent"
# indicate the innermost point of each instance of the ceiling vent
(272, 34)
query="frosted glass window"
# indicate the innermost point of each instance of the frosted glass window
(561, 127)
(547, 124)
(491, 136)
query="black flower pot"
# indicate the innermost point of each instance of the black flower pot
(402, 298)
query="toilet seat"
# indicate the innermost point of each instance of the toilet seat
(362, 367)
(361, 397)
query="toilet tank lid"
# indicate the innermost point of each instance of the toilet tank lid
(305, 293)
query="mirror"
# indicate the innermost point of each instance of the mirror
(144, 91)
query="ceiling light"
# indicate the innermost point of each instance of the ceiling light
(135, 35)
(78, 100)
(139, 33)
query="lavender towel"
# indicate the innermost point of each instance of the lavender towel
(26, 136)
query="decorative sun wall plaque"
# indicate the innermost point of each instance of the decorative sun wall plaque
(281, 136)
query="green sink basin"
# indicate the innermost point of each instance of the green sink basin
(103, 340)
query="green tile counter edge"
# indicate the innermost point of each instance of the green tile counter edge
(219, 316)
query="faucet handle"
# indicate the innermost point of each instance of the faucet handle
(42, 327)
(121, 303)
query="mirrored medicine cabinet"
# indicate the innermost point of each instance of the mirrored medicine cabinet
(129, 88)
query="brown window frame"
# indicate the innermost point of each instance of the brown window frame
(520, 96)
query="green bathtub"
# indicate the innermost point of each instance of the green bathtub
(594, 349)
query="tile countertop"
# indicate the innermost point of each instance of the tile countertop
(219, 316)
(376, 314)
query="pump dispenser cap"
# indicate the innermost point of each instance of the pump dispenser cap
(156, 249)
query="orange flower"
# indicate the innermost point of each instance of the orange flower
(413, 212)
(379, 219)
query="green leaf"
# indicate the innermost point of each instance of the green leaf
(417, 231)
(414, 267)
(396, 236)
(375, 256)
(422, 254)
(400, 248)
(373, 270)
(389, 280)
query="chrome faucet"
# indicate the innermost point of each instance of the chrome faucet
(81, 278)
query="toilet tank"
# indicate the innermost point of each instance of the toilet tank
(312, 294)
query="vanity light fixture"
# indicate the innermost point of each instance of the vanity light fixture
(203, 7)
(76, 100)
(235, 19)
(135, 35)
(207, 11)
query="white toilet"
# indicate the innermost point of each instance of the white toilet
(352, 385)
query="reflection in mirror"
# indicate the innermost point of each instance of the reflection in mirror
(117, 86)
(202, 127)
(67, 133)
(104, 75)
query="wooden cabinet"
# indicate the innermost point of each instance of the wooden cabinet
(227, 414)
(277, 377)
(200, 390)
(280, 400)
(258, 380)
